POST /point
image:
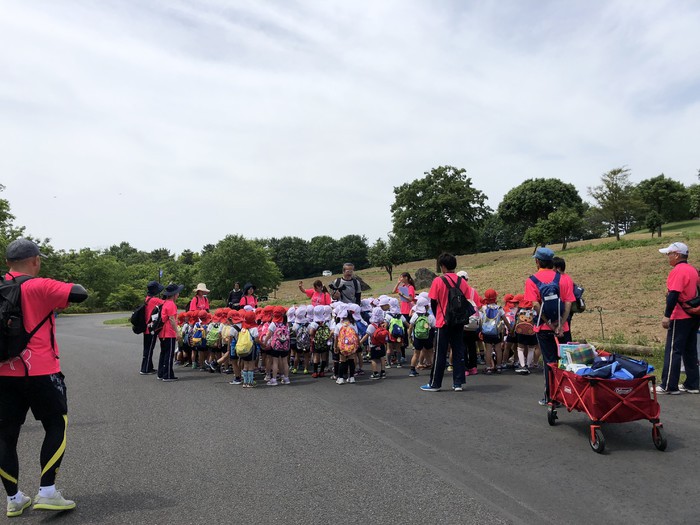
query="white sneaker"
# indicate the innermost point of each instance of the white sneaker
(340, 381)
(16, 508)
(285, 380)
(682, 388)
(272, 382)
(56, 502)
(351, 380)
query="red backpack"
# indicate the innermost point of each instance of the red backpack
(380, 335)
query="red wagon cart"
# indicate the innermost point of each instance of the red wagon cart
(605, 401)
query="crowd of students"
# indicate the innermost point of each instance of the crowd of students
(334, 339)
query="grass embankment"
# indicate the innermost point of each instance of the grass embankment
(120, 321)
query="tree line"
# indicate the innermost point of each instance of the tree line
(440, 211)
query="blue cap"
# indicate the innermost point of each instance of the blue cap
(543, 254)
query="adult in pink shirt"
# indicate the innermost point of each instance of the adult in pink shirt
(682, 285)
(168, 334)
(149, 340)
(549, 332)
(248, 298)
(447, 335)
(318, 294)
(200, 301)
(406, 289)
(33, 380)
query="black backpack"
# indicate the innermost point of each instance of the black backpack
(458, 309)
(138, 318)
(13, 337)
(155, 324)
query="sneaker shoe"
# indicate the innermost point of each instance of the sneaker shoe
(16, 508)
(285, 380)
(457, 388)
(543, 402)
(661, 390)
(236, 381)
(413, 373)
(428, 388)
(169, 379)
(473, 371)
(449, 368)
(398, 365)
(382, 375)
(682, 388)
(293, 370)
(387, 365)
(351, 380)
(374, 375)
(272, 382)
(306, 372)
(321, 374)
(314, 375)
(56, 502)
(267, 377)
(340, 381)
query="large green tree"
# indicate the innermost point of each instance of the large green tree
(616, 199)
(235, 258)
(324, 255)
(535, 199)
(291, 255)
(353, 248)
(440, 212)
(667, 197)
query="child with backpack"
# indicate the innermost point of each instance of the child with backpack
(198, 340)
(510, 342)
(214, 341)
(229, 335)
(377, 335)
(277, 341)
(525, 334)
(301, 330)
(493, 318)
(247, 349)
(422, 331)
(397, 333)
(347, 342)
(321, 340)
(291, 319)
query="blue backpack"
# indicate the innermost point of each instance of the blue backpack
(551, 307)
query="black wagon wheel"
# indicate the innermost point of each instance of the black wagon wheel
(597, 440)
(658, 437)
(551, 416)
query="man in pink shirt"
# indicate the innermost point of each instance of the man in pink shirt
(33, 379)
(168, 334)
(682, 285)
(549, 331)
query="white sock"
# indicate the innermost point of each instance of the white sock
(530, 357)
(47, 492)
(521, 356)
(16, 497)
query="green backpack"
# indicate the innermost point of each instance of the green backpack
(321, 338)
(213, 339)
(421, 330)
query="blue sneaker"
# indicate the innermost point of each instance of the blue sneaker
(428, 388)
(457, 388)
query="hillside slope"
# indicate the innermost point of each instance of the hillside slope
(627, 283)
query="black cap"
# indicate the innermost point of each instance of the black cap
(21, 249)
(172, 289)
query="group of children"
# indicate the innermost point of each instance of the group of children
(339, 339)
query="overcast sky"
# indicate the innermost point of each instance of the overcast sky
(300, 117)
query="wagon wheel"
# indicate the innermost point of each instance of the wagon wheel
(551, 416)
(658, 437)
(597, 440)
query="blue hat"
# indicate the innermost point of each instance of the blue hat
(154, 288)
(543, 254)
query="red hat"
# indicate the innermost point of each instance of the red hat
(518, 298)
(266, 315)
(490, 295)
(525, 304)
(235, 316)
(248, 320)
(508, 297)
(278, 313)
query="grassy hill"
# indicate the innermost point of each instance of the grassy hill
(625, 279)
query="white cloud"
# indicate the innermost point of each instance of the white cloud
(265, 118)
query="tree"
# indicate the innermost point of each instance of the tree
(439, 212)
(653, 222)
(535, 199)
(323, 255)
(565, 225)
(161, 255)
(616, 200)
(235, 258)
(667, 197)
(188, 257)
(291, 255)
(353, 248)
(539, 234)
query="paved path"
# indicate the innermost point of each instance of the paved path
(203, 451)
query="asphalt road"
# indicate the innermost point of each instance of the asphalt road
(202, 451)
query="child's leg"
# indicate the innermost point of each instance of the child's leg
(488, 354)
(522, 352)
(351, 364)
(498, 347)
(536, 354)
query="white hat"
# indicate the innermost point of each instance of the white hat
(425, 295)
(319, 312)
(384, 300)
(422, 301)
(291, 314)
(365, 305)
(676, 247)
(301, 314)
(343, 312)
(394, 307)
(201, 287)
(463, 274)
(420, 308)
(327, 313)
(377, 315)
(248, 308)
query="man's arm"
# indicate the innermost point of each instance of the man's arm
(77, 294)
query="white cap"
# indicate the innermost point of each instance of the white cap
(463, 274)
(365, 305)
(291, 314)
(384, 300)
(377, 315)
(676, 247)
(425, 295)
(319, 312)
(301, 313)
(420, 308)
(248, 308)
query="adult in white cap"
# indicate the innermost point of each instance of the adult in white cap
(200, 301)
(681, 338)
(31, 378)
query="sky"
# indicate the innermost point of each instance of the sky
(175, 123)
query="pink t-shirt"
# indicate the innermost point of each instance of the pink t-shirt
(684, 279)
(318, 297)
(406, 304)
(151, 303)
(199, 303)
(439, 291)
(168, 311)
(566, 292)
(40, 297)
